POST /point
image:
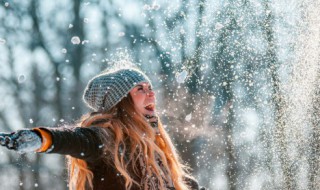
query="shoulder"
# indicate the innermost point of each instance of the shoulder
(190, 181)
(193, 183)
(102, 131)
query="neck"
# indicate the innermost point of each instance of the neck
(153, 120)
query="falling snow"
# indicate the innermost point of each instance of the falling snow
(188, 117)
(181, 77)
(75, 40)
(237, 82)
(63, 50)
(21, 78)
(2, 41)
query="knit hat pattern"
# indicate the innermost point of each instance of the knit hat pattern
(108, 88)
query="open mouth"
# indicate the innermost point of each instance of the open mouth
(150, 107)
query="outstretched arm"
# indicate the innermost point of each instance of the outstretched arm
(83, 143)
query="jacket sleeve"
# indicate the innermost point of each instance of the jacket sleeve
(78, 142)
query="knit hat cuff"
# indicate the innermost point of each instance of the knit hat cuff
(119, 100)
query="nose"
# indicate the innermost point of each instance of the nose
(150, 93)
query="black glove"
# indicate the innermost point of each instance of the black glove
(153, 120)
(22, 141)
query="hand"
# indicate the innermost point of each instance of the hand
(153, 120)
(22, 141)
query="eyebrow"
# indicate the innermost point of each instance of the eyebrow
(140, 85)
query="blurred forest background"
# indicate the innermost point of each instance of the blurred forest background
(237, 82)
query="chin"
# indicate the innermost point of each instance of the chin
(149, 112)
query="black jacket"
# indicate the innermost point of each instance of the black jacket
(84, 143)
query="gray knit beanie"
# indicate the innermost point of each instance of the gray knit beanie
(108, 88)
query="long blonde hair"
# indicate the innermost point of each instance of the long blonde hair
(124, 121)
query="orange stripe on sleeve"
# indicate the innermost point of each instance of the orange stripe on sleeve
(46, 139)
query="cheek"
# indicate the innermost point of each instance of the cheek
(138, 100)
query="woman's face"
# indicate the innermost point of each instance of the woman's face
(144, 99)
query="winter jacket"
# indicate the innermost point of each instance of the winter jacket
(85, 143)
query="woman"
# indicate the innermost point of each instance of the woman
(121, 145)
